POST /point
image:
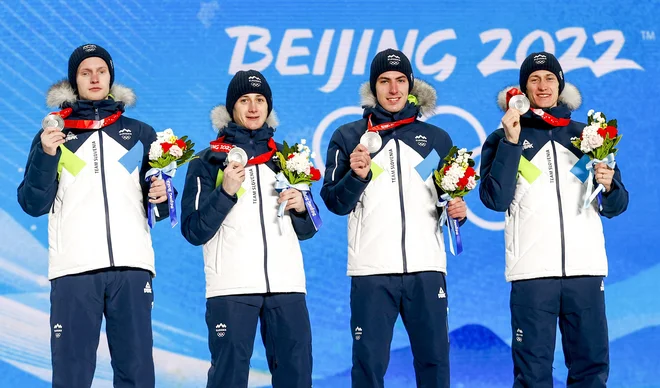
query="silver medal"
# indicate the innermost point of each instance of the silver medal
(238, 155)
(520, 103)
(372, 141)
(52, 121)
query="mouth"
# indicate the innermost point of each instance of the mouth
(543, 95)
(393, 100)
(95, 89)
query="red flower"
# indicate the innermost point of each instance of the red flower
(469, 172)
(610, 130)
(315, 173)
(447, 167)
(181, 144)
(290, 156)
(166, 147)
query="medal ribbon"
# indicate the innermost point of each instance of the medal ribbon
(86, 124)
(219, 145)
(390, 125)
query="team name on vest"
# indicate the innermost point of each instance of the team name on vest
(550, 167)
(95, 157)
(392, 168)
(253, 185)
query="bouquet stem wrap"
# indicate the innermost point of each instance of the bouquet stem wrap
(166, 173)
(452, 225)
(590, 195)
(282, 184)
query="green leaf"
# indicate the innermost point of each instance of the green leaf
(612, 123)
(286, 149)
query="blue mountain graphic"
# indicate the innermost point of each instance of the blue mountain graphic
(478, 359)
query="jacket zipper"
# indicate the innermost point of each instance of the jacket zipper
(561, 215)
(403, 211)
(105, 193)
(263, 229)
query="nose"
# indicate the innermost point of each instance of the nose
(394, 88)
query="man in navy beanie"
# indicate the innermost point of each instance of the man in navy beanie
(396, 253)
(254, 270)
(555, 248)
(89, 178)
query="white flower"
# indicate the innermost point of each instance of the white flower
(590, 138)
(165, 136)
(452, 176)
(176, 151)
(155, 151)
(303, 141)
(313, 155)
(472, 183)
(299, 163)
(590, 113)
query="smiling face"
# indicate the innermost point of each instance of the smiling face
(251, 111)
(392, 89)
(542, 89)
(93, 79)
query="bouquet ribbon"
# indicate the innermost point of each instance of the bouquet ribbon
(282, 184)
(590, 195)
(166, 173)
(452, 225)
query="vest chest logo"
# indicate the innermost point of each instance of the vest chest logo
(421, 140)
(126, 134)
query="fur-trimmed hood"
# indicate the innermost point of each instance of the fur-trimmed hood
(425, 93)
(220, 118)
(570, 97)
(62, 93)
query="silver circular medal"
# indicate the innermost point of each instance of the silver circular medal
(520, 103)
(237, 154)
(372, 141)
(52, 121)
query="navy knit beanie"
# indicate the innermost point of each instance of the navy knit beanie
(87, 51)
(540, 61)
(390, 60)
(246, 82)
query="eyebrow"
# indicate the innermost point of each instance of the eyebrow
(387, 78)
(97, 69)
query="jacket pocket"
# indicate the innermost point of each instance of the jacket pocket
(358, 229)
(516, 234)
(56, 214)
(218, 251)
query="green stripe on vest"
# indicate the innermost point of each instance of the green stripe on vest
(376, 170)
(528, 170)
(70, 161)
